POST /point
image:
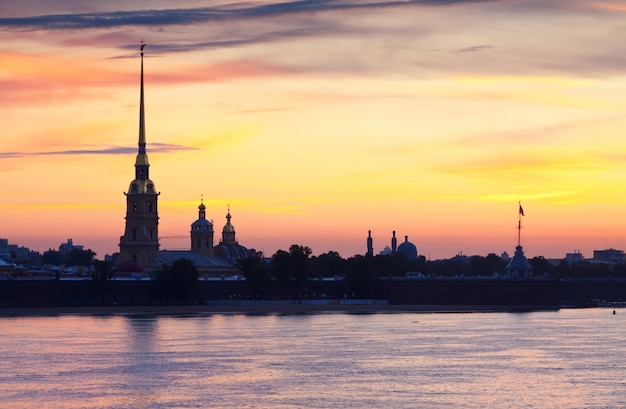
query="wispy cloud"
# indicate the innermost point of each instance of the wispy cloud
(187, 16)
(111, 150)
(474, 49)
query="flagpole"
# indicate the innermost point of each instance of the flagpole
(519, 224)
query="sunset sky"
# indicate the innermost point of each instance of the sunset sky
(318, 120)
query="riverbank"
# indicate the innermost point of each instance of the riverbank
(195, 310)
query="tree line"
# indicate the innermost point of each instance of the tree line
(295, 272)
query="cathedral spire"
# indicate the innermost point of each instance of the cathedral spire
(140, 242)
(142, 115)
(142, 164)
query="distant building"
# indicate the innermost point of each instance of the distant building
(66, 248)
(519, 267)
(202, 233)
(408, 249)
(575, 257)
(609, 256)
(18, 254)
(385, 251)
(220, 260)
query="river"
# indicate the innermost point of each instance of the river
(548, 359)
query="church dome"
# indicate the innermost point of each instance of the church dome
(202, 224)
(233, 252)
(228, 228)
(408, 249)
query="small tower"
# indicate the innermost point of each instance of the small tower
(202, 233)
(140, 242)
(519, 267)
(394, 243)
(228, 232)
(370, 243)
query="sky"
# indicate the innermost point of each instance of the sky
(316, 121)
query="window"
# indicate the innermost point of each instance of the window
(134, 207)
(134, 234)
(149, 207)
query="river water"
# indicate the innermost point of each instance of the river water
(556, 359)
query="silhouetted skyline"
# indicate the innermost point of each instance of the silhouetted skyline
(319, 121)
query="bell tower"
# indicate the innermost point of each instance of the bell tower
(140, 242)
(202, 233)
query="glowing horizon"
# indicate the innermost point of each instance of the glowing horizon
(319, 121)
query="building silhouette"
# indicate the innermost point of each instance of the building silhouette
(140, 242)
(407, 249)
(202, 233)
(139, 246)
(519, 267)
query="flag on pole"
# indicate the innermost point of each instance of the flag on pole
(521, 211)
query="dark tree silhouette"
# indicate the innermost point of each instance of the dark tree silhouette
(300, 267)
(184, 279)
(281, 270)
(176, 281)
(101, 277)
(52, 257)
(257, 274)
(360, 277)
(78, 257)
(327, 265)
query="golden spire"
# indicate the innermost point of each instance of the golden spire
(142, 121)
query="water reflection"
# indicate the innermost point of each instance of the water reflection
(566, 359)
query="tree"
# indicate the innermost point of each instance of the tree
(257, 275)
(184, 279)
(176, 281)
(326, 265)
(541, 266)
(300, 267)
(101, 277)
(281, 270)
(360, 277)
(52, 257)
(78, 257)
(160, 284)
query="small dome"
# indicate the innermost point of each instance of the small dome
(232, 252)
(408, 249)
(228, 228)
(202, 224)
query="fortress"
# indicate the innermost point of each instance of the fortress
(139, 245)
